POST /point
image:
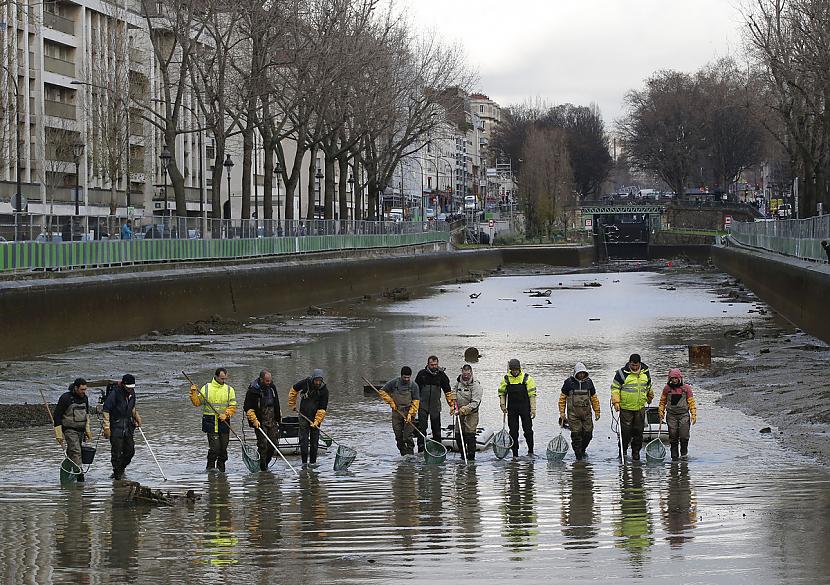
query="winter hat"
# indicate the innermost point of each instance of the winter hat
(514, 364)
(318, 373)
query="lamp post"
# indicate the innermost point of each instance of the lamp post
(228, 164)
(319, 177)
(351, 193)
(165, 157)
(77, 152)
(278, 173)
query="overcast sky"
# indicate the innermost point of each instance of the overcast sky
(581, 51)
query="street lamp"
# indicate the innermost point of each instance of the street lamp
(317, 176)
(165, 157)
(278, 173)
(77, 152)
(351, 193)
(228, 164)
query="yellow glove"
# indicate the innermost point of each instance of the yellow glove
(252, 418)
(223, 417)
(194, 396)
(692, 408)
(465, 410)
(87, 436)
(596, 416)
(451, 399)
(503, 403)
(661, 414)
(388, 399)
(292, 399)
(413, 410)
(318, 418)
(532, 407)
(615, 401)
(194, 388)
(136, 418)
(59, 435)
(107, 433)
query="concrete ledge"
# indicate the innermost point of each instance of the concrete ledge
(797, 290)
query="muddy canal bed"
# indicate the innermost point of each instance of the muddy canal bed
(746, 508)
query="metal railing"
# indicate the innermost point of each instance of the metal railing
(59, 23)
(800, 238)
(58, 65)
(80, 242)
(59, 109)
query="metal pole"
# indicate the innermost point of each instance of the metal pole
(202, 186)
(127, 154)
(279, 206)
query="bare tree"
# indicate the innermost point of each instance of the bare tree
(547, 181)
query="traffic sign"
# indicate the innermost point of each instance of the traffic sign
(491, 223)
(727, 220)
(589, 222)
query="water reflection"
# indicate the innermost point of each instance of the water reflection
(73, 538)
(580, 515)
(431, 490)
(678, 505)
(264, 520)
(314, 506)
(468, 508)
(125, 527)
(404, 514)
(519, 508)
(633, 527)
(220, 544)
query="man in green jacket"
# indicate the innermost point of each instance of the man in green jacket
(630, 392)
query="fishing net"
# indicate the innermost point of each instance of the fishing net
(655, 451)
(326, 440)
(434, 452)
(250, 456)
(69, 470)
(344, 457)
(557, 448)
(502, 443)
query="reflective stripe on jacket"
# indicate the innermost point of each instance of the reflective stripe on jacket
(633, 390)
(220, 396)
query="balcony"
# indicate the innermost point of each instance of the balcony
(136, 127)
(59, 66)
(137, 58)
(58, 23)
(60, 109)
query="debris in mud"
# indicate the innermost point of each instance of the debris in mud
(397, 294)
(139, 494)
(765, 350)
(538, 293)
(475, 295)
(17, 416)
(471, 355)
(471, 278)
(594, 319)
(215, 325)
(765, 430)
(160, 347)
(747, 332)
(313, 311)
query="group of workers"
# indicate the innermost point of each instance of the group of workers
(416, 405)
(419, 400)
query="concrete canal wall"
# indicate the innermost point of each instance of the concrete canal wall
(49, 314)
(798, 290)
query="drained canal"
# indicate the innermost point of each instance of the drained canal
(743, 509)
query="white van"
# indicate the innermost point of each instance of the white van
(470, 202)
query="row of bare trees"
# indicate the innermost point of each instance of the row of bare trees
(561, 154)
(346, 79)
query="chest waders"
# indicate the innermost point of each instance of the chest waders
(679, 423)
(429, 412)
(403, 431)
(518, 408)
(580, 418)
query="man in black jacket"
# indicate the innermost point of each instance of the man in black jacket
(120, 421)
(72, 421)
(432, 381)
(262, 407)
(314, 401)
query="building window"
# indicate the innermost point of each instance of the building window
(481, 109)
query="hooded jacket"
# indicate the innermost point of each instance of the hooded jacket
(632, 390)
(678, 399)
(572, 387)
(468, 394)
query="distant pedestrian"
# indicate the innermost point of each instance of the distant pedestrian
(517, 395)
(72, 421)
(120, 421)
(218, 401)
(404, 397)
(677, 405)
(314, 401)
(577, 399)
(630, 391)
(826, 249)
(127, 230)
(432, 382)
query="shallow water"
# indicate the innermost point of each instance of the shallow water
(742, 510)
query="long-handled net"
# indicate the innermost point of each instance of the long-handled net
(434, 452)
(344, 457)
(502, 442)
(250, 456)
(557, 448)
(69, 471)
(655, 449)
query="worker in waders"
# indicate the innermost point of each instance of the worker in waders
(403, 396)
(630, 392)
(468, 396)
(432, 382)
(314, 401)
(517, 396)
(120, 421)
(262, 407)
(221, 396)
(71, 416)
(678, 408)
(576, 400)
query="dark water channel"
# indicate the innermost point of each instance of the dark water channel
(743, 509)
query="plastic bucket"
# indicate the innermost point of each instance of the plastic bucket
(87, 454)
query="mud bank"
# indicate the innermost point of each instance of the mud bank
(18, 416)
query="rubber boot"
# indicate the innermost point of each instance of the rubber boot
(576, 443)
(211, 463)
(586, 438)
(684, 449)
(674, 450)
(470, 444)
(220, 465)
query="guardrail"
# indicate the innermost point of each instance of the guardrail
(45, 253)
(800, 238)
